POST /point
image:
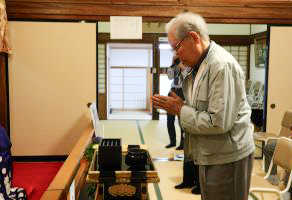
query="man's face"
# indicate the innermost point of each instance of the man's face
(185, 49)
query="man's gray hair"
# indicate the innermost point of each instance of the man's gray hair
(187, 22)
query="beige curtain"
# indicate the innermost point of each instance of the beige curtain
(4, 36)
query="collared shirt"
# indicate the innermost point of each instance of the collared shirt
(196, 67)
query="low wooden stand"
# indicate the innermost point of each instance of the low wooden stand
(123, 184)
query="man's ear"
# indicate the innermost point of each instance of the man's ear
(196, 37)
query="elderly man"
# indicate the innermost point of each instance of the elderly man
(216, 115)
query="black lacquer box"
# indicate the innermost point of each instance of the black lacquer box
(110, 154)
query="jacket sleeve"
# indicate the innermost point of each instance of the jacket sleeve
(225, 89)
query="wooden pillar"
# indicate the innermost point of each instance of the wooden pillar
(3, 92)
(156, 74)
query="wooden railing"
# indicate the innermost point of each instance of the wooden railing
(74, 168)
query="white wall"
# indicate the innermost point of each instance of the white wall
(229, 29)
(257, 28)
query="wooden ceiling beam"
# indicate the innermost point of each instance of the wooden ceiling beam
(221, 12)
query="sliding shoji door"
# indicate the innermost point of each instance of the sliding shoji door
(52, 76)
(279, 97)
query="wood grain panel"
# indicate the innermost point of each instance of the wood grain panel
(232, 3)
(3, 91)
(141, 2)
(147, 2)
(229, 13)
(102, 106)
(63, 1)
(265, 1)
(54, 194)
(238, 40)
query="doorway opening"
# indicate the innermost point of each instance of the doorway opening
(129, 80)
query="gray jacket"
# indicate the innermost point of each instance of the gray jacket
(216, 117)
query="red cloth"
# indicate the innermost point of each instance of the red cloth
(34, 177)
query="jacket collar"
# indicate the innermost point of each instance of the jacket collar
(202, 58)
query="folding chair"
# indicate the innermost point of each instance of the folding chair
(249, 91)
(258, 96)
(283, 158)
(284, 131)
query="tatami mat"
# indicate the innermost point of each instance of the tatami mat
(170, 174)
(156, 137)
(127, 130)
(130, 115)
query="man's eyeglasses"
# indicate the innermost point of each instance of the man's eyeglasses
(178, 45)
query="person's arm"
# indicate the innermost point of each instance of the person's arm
(170, 73)
(171, 104)
(174, 69)
(226, 89)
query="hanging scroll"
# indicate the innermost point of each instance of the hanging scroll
(4, 36)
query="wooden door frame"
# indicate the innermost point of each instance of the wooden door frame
(4, 98)
(149, 38)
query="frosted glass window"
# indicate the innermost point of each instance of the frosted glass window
(101, 86)
(130, 57)
(240, 53)
(101, 68)
(243, 48)
(101, 46)
(134, 80)
(116, 104)
(129, 86)
(134, 88)
(116, 80)
(116, 88)
(101, 76)
(234, 53)
(116, 96)
(116, 72)
(165, 58)
(164, 85)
